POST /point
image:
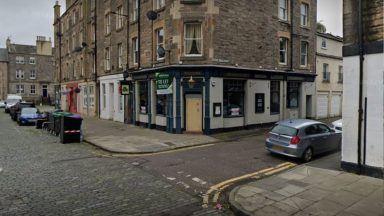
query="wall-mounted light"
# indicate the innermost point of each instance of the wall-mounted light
(191, 82)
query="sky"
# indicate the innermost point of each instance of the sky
(23, 20)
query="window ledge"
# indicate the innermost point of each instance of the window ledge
(287, 22)
(133, 22)
(192, 58)
(119, 29)
(229, 117)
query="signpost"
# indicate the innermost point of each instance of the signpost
(164, 84)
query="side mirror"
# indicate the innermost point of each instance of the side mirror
(5, 103)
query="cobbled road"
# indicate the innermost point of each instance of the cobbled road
(40, 176)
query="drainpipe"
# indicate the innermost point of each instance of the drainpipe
(291, 35)
(139, 34)
(361, 64)
(95, 59)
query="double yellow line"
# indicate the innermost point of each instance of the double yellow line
(215, 190)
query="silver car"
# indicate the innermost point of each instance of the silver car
(302, 138)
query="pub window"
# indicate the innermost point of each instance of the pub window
(275, 97)
(143, 96)
(233, 103)
(292, 95)
(161, 105)
(193, 39)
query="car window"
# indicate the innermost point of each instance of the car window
(311, 130)
(323, 129)
(284, 130)
(29, 111)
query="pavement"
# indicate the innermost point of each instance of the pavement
(318, 188)
(122, 138)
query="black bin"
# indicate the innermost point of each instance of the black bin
(70, 130)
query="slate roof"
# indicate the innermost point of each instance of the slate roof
(20, 48)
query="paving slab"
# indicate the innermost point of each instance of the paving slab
(122, 138)
(306, 190)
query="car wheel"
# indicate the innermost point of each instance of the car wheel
(307, 155)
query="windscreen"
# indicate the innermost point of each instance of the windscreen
(29, 111)
(284, 130)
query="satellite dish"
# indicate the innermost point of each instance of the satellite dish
(152, 15)
(161, 52)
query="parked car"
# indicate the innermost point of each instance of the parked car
(302, 138)
(14, 110)
(2, 104)
(29, 115)
(337, 125)
(10, 101)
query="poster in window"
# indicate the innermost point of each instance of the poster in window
(216, 109)
(259, 103)
(235, 111)
(164, 83)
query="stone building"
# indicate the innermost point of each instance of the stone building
(75, 55)
(197, 66)
(31, 70)
(329, 81)
(3, 73)
(210, 66)
(363, 99)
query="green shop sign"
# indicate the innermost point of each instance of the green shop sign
(124, 87)
(164, 84)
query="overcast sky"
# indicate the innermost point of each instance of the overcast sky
(23, 20)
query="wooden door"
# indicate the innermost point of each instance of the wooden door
(194, 113)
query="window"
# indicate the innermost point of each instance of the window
(120, 55)
(283, 50)
(91, 95)
(283, 12)
(304, 14)
(340, 74)
(193, 41)
(160, 43)
(44, 91)
(233, 103)
(85, 96)
(293, 95)
(275, 97)
(135, 50)
(73, 69)
(119, 18)
(93, 36)
(323, 129)
(107, 59)
(161, 105)
(311, 130)
(74, 18)
(324, 43)
(159, 4)
(81, 67)
(93, 4)
(32, 60)
(32, 75)
(121, 103)
(135, 11)
(73, 42)
(104, 96)
(304, 53)
(33, 89)
(259, 103)
(143, 96)
(19, 59)
(108, 23)
(19, 74)
(326, 73)
(20, 89)
(81, 11)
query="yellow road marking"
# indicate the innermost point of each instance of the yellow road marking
(261, 173)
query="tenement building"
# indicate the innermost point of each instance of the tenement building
(363, 101)
(75, 55)
(3, 73)
(30, 71)
(209, 66)
(329, 81)
(192, 66)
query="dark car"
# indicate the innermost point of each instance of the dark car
(29, 115)
(302, 138)
(14, 110)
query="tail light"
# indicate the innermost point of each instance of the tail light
(267, 135)
(295, 140)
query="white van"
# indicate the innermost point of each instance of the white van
(11, 100)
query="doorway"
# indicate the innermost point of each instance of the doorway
(111, 100)
(308, 109)
(193, 113)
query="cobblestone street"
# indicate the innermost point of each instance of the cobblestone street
(40, 176)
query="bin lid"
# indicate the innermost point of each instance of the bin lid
(59, 114)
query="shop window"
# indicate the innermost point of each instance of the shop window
(233, 103)
(143, 96)
(161, 105)
(275, 97)
(292, 95)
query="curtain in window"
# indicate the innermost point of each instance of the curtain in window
(193, 39)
